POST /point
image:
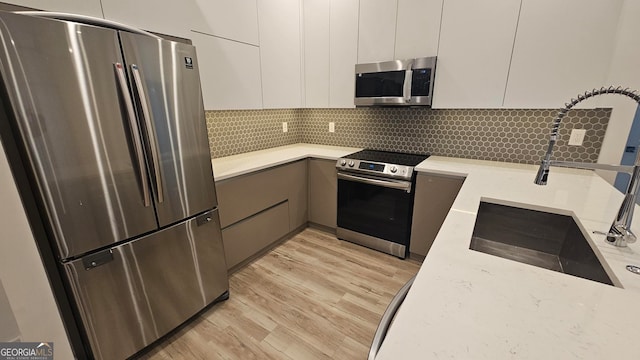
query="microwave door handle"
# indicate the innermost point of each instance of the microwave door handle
(135, 133)
(151, 138)
(406, 91)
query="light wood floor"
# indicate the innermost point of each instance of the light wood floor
(313, 297)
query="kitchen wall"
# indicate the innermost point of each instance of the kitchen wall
(28, 295)
(508, 135)
(238, 131)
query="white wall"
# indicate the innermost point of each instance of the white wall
(624, 71)
(22, 273)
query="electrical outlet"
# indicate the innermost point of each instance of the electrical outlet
(577, 137)
(332, 127)
(285, 128)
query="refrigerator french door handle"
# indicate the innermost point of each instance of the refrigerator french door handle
(135, 133)
(146, 114)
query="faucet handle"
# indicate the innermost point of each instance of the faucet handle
(618, 236)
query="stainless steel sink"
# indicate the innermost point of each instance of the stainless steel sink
(547, 240)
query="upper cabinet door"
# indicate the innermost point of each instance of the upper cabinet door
(234, 20)
(230, 73)
(171, 17)
(165, 82)
(280, 55)
(343, 52)
(377, 30)
(418, 28)
(316, 53)
(562, 48)
(476, 41)
(85, 7)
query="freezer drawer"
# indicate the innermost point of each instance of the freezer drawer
(132, 294)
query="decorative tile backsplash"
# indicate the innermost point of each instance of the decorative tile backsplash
(508, 135)
(237, 131)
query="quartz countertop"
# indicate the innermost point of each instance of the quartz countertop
(235, 165)
(466, 304)
(470, 305)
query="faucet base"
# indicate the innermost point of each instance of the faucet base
(616, 240)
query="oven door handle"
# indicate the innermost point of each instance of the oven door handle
(399, 185)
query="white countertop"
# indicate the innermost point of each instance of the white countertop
(470, 305)
(235, 165)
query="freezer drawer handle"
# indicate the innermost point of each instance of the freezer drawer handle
(153, 146)
(97, 259)
(204, 218)
(135, 134)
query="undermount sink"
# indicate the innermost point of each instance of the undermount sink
(547, 240)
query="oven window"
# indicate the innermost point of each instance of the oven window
(380, 84)
(374, 210)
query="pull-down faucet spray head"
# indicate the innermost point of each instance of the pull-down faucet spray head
(543, 173)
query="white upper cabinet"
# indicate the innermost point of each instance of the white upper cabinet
(343, 52)
(377, 30)
(417, 28)
(280, 53)
(236, 20)
(476, 40)
(562, 48)
(316, 53)
(229, 73)
(85, 7)
(171, 17)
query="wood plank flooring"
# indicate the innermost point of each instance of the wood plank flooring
(313, 297)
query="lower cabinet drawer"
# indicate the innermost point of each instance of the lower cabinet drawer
(249, 236)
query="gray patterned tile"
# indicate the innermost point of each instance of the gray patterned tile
(510, 135)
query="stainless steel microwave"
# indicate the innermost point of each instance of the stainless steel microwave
(395, 83)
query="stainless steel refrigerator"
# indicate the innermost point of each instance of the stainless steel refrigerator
(111, 125)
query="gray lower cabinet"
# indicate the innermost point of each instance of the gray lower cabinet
(434, 196)
(296, 179)
(260, 208)
(246, 195)
(247, 237)
(323, 190)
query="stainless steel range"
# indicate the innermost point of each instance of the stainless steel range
(375, 199)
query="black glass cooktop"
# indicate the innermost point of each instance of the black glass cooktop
(388, 157)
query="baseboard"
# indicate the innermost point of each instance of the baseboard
(416, 257)
(327, 229)
(265, 250)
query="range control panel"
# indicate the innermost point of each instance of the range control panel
(380, 169)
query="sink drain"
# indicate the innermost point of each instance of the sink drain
(634, 269)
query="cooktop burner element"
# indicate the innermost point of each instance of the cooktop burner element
(381, 163)
(388, 157)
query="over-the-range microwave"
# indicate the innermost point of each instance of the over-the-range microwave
(395, 83)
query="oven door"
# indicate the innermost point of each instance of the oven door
(375, 212)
